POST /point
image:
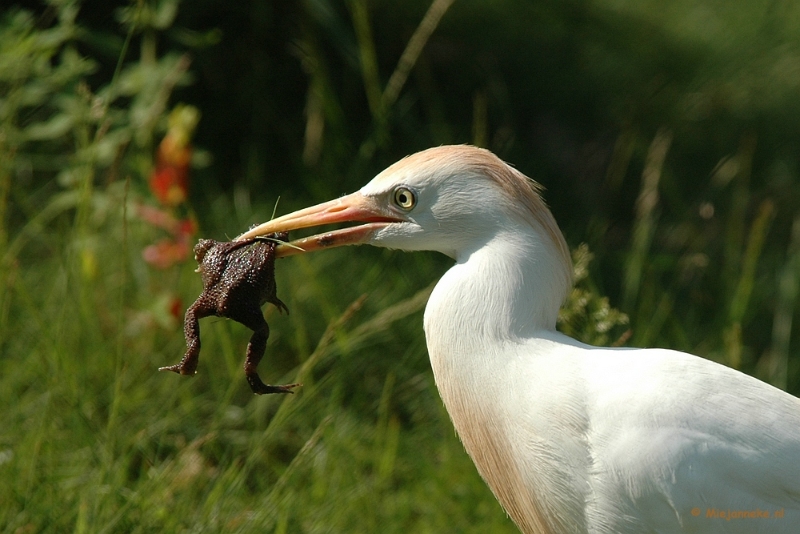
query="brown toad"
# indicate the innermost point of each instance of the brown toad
(238, 278)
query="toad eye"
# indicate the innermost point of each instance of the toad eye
(404, 198)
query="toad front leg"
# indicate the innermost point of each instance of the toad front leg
(191, 329)
(255, 351)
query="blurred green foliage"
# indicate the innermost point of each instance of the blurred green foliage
(666, 135)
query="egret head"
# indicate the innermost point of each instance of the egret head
(448, 199)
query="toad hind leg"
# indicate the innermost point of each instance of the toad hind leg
(191, 329)
(255, 351)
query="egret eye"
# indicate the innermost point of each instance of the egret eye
(404, 198)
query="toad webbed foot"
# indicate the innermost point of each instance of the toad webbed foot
(260, 388)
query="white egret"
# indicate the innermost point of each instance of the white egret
(570, 438)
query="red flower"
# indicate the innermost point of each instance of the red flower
(187, 228)
(176, 308)
(170, 185)
(169, 180)
(166, 253)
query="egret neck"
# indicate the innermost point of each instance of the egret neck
(501, 293)
(504, 290)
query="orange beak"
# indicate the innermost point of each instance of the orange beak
(351, 208)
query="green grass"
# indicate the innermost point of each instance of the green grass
(94, 439)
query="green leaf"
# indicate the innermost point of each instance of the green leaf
(56, 127)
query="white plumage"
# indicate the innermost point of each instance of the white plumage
(570, 438)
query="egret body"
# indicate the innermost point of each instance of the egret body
(570, 438)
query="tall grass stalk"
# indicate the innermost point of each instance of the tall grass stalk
(776, 361)
(744, 287)
(381, 100)
(413, 49)
(645, 222)
(735, 229)
(369, 58)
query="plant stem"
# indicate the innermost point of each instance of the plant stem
(646, 204)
